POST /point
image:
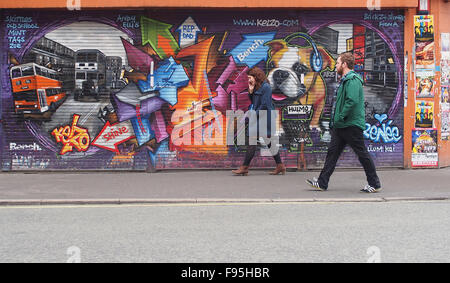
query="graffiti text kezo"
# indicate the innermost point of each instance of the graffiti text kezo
(72, 136)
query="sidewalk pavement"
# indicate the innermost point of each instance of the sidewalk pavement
(216, 186)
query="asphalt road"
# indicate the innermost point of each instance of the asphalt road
(300, 232)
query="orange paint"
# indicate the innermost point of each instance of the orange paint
(72, 136)
(191, 120)
(409, 111)
(164, 44)
(197, 90)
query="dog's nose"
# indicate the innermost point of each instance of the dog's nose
(279, 76)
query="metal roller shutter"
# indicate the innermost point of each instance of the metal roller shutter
(121, 90)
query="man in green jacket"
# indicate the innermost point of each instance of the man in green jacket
(347, 125)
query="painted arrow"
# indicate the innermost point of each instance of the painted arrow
(158, 35)
(188, 33)
(252, 50)
(240, 82)
(113, 135)
(142, 129)
(167, 79)
(137, 59)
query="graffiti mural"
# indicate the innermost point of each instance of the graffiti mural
(72, 137)
(151, 89)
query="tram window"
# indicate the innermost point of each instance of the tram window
(16, 73)
(53, 91)
(44, 73)
(92, 76)
(27, 71)
(29, 95)
(80, 76)
(92, 57)
(81, 57)
(38, 71)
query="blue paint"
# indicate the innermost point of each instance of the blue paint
(252, 49)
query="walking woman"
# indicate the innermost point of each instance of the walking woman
(261, 96)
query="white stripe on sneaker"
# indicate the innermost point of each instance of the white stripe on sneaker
(370, 189)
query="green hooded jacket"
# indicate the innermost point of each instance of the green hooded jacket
(350, 103)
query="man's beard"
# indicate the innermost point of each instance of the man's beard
(340, 71)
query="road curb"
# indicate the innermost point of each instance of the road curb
(349, 200)
(50, 202)
(415, 198)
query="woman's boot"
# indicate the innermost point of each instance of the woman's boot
(243, 171)
(280, 169)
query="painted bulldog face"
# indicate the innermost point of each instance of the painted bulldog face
(288, 73)
(291, 75)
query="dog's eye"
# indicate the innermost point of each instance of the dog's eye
(300, 68)
(271, 65)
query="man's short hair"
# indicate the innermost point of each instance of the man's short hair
(348, 58)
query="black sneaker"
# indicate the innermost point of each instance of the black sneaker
(315, 184)
(369, 189)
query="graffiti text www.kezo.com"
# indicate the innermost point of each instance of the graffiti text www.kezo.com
(266, 22)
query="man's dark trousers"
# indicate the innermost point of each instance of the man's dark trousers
(340, 137)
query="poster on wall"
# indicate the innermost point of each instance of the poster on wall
(445, 124)
(445, 59)
(445, 112)
(425, 83)
(424, 54)
(445, 46)
(424, 148)
(445, 86)
(424, 114)
(423, 28)
(445, 99)
(424, 41)
(445, 71)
